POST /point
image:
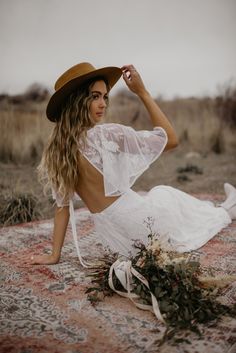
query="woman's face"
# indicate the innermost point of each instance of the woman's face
(99, 102)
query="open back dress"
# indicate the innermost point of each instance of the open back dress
(121, 154)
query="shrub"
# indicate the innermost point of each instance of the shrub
(18, 208)
(225, 105)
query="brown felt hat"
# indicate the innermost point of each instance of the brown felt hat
(72, 79)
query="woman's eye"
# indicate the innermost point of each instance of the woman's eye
(95, 96)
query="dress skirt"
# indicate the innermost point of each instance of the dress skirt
(182, 222)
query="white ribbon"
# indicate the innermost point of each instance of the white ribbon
(74, 233)
(124, 272)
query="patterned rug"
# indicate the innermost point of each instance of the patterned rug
(45, 308)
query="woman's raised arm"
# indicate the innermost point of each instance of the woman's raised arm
(158, 118)
(61, 220)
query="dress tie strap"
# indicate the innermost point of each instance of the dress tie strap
(74, 233)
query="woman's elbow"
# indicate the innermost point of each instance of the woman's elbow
(172, 143)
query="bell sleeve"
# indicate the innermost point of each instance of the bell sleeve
(125, 154)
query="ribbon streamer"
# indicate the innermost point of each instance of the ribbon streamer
(124, 271)
(74, 233)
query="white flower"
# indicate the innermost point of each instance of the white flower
(154, 245)
(111, 146)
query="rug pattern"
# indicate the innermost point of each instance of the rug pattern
(45, 308)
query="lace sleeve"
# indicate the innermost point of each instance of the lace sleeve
(122, 154)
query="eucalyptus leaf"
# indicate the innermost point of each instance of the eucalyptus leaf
(183, 301)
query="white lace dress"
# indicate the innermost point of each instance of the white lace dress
(121, 155)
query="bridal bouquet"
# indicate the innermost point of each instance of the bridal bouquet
(168, 283)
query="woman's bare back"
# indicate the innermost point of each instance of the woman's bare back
(90, 187)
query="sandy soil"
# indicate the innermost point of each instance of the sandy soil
(216, 169)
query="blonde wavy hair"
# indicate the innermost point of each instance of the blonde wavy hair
(58, 169)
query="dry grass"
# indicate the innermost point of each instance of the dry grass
(23, 134)
(197, 122)
(206, 126)
(203, 125)
(198, 125)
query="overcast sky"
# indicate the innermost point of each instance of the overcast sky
(181, 47)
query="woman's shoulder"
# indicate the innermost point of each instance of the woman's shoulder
(109, 128)
(107, 134)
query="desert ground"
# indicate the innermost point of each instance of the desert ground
(204, 160)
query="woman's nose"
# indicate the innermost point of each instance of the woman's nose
(103, 103)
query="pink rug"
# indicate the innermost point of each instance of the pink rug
(45, 308)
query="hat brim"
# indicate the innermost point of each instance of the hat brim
(53, 111)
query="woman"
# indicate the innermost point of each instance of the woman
(100, 163)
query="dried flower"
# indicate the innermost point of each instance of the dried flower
(175, 281)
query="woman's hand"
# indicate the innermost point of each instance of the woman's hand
(133, 80)
(158, 118)
(44, 260)
(61, 220)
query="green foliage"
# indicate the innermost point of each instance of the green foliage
(183, 301)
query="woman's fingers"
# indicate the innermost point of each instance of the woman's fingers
(35, 259)
(39, 259)
(43, 260)
(126, 77)
(133, 79)
(128, 67)
(128, 72)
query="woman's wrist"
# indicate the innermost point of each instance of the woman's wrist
(55, 256)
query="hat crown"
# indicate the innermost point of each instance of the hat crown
(73, 78)
(74, 72)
